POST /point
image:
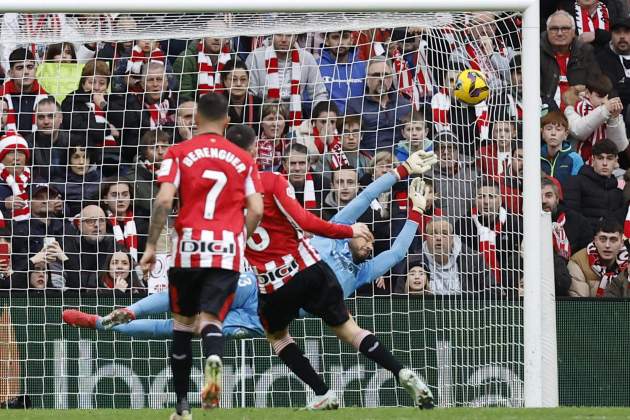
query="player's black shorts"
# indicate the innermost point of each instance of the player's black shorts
(194, 290)
(315, 289)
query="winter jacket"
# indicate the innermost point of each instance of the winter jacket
(48, 158)
(584, 281)
(610, 63)
(594, 196)
(343, 81)
(456, 190)
(564, 164)
(577, 228)
(401, 151)
(581, 66)
(76, 189)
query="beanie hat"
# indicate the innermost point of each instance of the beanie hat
(13, 141)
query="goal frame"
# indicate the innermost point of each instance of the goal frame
(540, 350)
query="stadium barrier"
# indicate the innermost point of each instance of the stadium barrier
(65, 367)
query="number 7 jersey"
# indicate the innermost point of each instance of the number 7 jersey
(213, 177)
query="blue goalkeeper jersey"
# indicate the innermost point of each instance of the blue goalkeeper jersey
(244, 311)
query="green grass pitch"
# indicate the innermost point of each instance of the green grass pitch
(341, 414)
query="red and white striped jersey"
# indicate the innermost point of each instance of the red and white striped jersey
(213, 177)
(278, 249)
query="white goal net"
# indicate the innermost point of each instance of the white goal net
(89, 105)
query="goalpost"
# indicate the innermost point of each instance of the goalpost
(471, 352)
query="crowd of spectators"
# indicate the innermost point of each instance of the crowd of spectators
(333, 112)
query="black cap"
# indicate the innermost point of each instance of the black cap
(39, 187)
(621, 23)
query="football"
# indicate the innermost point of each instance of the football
(471, 87)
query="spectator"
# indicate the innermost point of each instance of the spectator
(350, 129)
(319, 135)
(592, 19)
(495, 158)
(514, 93)
(593, 191)
(119, 275)
(282, 71)
(200, 68)
(453, 268)
(614, 62)
(556, 157)
(153, 147)
(185, 120)
(46, 221)
(61, 53)
(21, 92)
(381, 108)
(87, 248)
(417, 279)
(129, 231)
(415, 136)
(344, 188)
(512, 183)
(80, 182)
(493, 232)
(564, 59)
(85, 116)
(15, 177)
(453, 180)
(243, 106)
(307, 187)
(133, 113)
(571, 231)
(341, 69)
(272, 139)
(9, 277)
(596, 117)
(38, 277)
(601, 269)
(48, 143)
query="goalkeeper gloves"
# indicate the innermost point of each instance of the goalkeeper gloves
(418, 200)
(417, 163)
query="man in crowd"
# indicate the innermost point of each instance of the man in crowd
(345, 186)
(601, 269)
(614, 60)
(153, 147)
(307, 186)
(564, 60)
(48, 143)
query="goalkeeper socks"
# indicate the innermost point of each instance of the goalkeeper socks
(371, 348)
(156, 303)
(293, 357)
(146, 328)
(181, 362)
(212, 340)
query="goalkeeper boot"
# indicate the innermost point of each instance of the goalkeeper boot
(117, 317)
(77, 318)
(419, 391)
(212, 388)
(328, 401)
(182, 411)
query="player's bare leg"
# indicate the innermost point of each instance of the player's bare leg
(367, 343)
(210, 329)
(286, 349)
(181, 363)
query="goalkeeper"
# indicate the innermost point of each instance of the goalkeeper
(349, 259)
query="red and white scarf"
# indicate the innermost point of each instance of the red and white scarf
(605, 273)
(269, 152)
(406, 84)
(440, 107)
(488, 241)
(515, 106)
(482, 122)
(158, 113)
(560, 239)
(626, 226)
(273, 82)
(99, 116)
(126, 236)
(134, 64)
(7, 91)
(19, 188)
(209, 78)
(587, 22)
(424, 78)
(338, 158)
(563, 82)
(309, 190)
(585, 147)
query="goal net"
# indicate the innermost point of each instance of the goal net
(90, 104)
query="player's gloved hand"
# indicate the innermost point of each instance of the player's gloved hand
(361, 230)
(417, 163)
(417, 197)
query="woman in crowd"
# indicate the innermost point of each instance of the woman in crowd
(119, 275)
(244, 107)
(273, 136)
(417, 278)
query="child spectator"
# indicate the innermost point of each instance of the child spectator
(153, 147)
(556, 157)
(512, 183)
(15, 176)
(273, 136)
(350, 129)
(595, 117)
(80, 181)
(496, 157)
(417, 282)
(415, 136)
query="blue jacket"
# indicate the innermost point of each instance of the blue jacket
(342, 80)
(564, 164)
